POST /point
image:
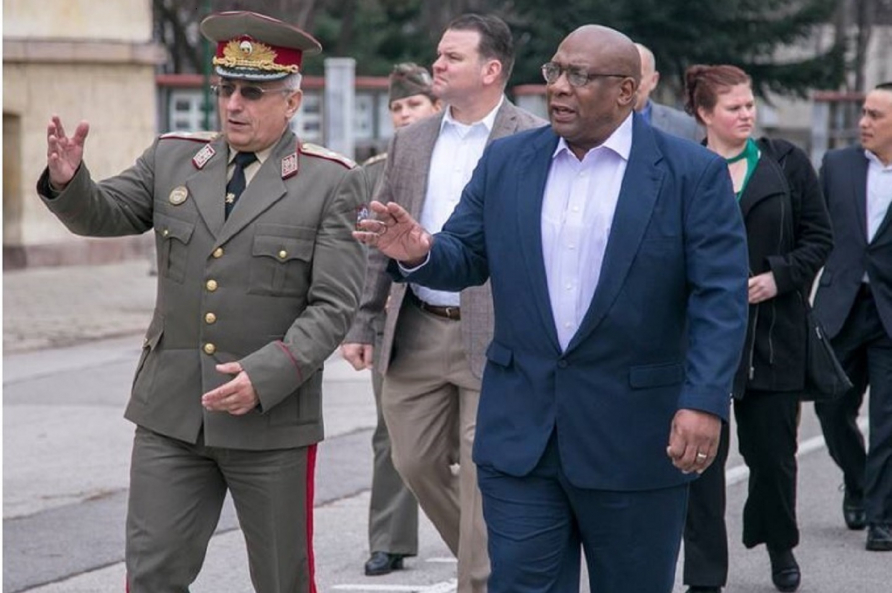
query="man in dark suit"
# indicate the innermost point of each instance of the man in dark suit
(854, 302)
(672, 121)
(618, 266)
(432, 352)
(258, 281)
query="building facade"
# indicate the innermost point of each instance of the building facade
(59, 58)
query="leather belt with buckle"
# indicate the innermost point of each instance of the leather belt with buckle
(451, 313)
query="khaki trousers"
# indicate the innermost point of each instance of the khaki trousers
(430, 401)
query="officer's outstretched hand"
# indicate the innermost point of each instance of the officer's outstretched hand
(64, 154)
(395, 233)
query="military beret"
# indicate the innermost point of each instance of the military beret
(409, 79)
(253, 46)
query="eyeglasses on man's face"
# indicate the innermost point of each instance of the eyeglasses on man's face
(576, 75)
(249, 92)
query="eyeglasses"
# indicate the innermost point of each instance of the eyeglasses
(249, 92)
(576, 75)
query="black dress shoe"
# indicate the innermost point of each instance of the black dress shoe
(853, 511)
(383, 563)
(784, 570)
(879, 537)
(696, 589)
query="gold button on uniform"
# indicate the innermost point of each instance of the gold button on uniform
(283, 254)
(165, 232)
(211, 285)
(218, 253)
(210, 318)
(209, 348)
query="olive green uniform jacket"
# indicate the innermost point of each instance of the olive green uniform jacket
(274, 287)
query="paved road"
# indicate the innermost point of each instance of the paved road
(66, 449)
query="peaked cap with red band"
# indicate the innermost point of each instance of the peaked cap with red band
(253, 46)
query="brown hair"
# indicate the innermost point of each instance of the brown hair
(704, 84)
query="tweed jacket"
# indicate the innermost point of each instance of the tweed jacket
(274, 286)
(405, 182)
(675, 122)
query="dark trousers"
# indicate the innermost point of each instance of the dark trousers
(176, 494)
(537, 524)
(705, 535)
(865, 351)
(767, 425)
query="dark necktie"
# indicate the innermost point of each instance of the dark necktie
(236, 185)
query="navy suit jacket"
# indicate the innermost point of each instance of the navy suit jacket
(664, 330)
(844, 182)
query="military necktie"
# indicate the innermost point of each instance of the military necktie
(236, 185)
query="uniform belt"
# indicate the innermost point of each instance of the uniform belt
(451, 313)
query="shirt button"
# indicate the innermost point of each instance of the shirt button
(210, 318)
(211, 285)
(218, 253)
(209, 348)
(568, 325)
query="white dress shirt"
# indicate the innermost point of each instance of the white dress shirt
(577, 215)
(456, 152)
(879, 192)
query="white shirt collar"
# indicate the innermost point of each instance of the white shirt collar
(488, 120)
(875, 160)
(620, 142)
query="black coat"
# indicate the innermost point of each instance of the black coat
(788, 233)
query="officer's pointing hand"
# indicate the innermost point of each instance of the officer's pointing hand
(395, 233)
(236, 397)
(64, 154)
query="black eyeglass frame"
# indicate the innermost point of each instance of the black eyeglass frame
(249, 92)
(576, 75)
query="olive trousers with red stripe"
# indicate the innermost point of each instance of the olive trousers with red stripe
(176, 495)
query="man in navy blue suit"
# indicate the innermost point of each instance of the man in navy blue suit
(618, 266)
(854, 301)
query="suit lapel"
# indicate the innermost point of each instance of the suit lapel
(421, 153)
(637, 197)
(505, 122)
(532, 174)
(265, 189)
(207, 186)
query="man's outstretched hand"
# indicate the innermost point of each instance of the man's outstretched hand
(395, 233)
(64, 154)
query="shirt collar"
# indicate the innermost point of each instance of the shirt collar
(261, 155)
(488, 120)
(874, 160)
(620, 142)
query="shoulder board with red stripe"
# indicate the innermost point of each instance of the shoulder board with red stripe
(322, 152)
(193, 136)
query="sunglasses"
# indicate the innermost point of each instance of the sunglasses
(249, 92)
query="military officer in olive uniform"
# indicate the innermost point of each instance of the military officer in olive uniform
(393, 511)
(258, 281)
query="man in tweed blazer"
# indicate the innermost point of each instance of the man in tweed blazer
(432, 353)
